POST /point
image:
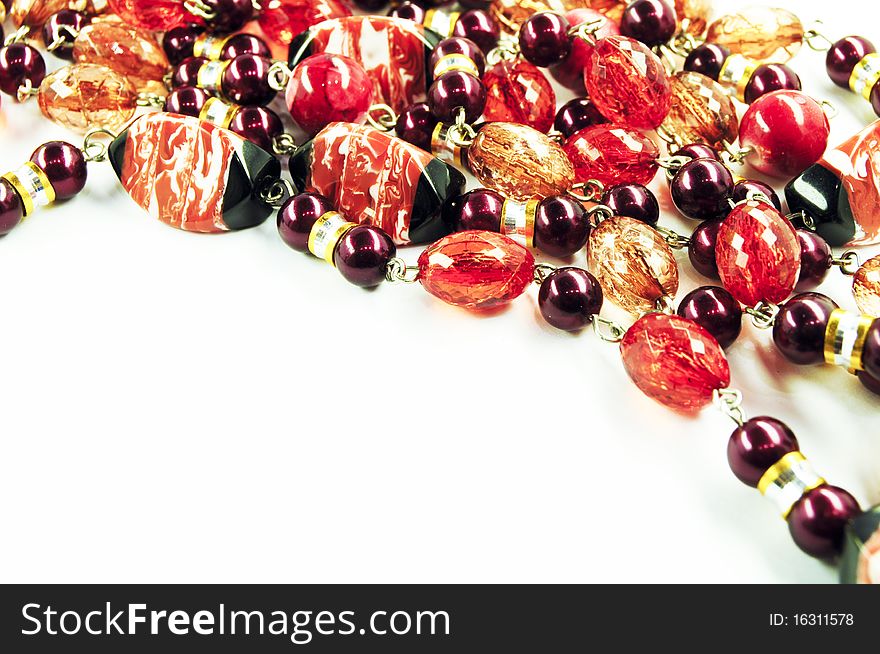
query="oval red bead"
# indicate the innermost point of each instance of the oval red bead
(518, 92)
(787, 132)
(674, 361)
(281, 20)
(476, 269)
(570, 72)
(153, 15)
(627, 83)
(758, 254)
(612, 154)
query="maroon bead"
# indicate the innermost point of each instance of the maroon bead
(479, 27)
(875, 98)
(475, 4)
(569, 298)
(11, 209)
(416, 124)
(576, 114)
(178, 42)
(714, 309)
(561, 226)
(458, 45)
(409, 11)
(19, 64)
(258, 125)
(701, 249)
(371, 5)
(707, 59)
(799, 329)
(453, 90)
(843, 56)
(246, 81)
(818, 520)
(363, 254)
(701, 188)
(186, 73)
(544, 39)
(653, 22)
(61, 30)
(869, 381)
(754, 447)
(297, 216)
(871, 350)
(743, 187)
(241, 44)
(229, 15)
(816, 259)
(698, 151)
(64, 165)
(771, 77)
(633, 201)
(478, 209)
(186, 100)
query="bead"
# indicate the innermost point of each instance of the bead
(816, 259)
(84, 96)
(869, 381)
(575, 115)
(866, 287)
(518, 92)
(757, 253)
(11, 210)
(20, 65)
(416, 124)
(519, 162)
(258, 125)
(327, 88)
(370, 5)
(153, 15)
(799, 329)
(716, 311)
(32, 185)
(476, 270)
(701, 111)
(374, 177)
(674, 361)
(544, 39)
(756, 446)
(64, 165)
(240, 44)
(612, 155)
(570, 71)
(768, 78)
(186, 73)
(457, 90)
(843, 56)
(871, 350)
(282, 20)
(477, 26)
(569, 298)
(788, 480)
(245, 80)
(409, 11)
(297, 216)
(178, 42)
(633, 201)
(874, 98)
(746, 187)
(653, 22)
(701, 188)
(787, 132)
(693, 15)
(633, 263)
(707, 59)
(363, 254)
(561, 226)
(457, 51)
(186, 100)
(818, 520)
(475, 4)
(478, 209)
(701, 249)
(326, 234)
(511, 14)
(698, 151)
(860, 562)
(229, 15)
(518, 221)
(763, 34)
(628, 83)
(60, 31)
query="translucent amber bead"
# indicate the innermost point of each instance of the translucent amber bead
(84, 96)
(765, 34)
(519, 162)
(34, 13)
(131, 52)
(633, 263)
(518, 92)
(866, 287)
(510, 14)
(693, 15)
(612, 155)
(701, 111)
(153, 15)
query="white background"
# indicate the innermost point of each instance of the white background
(189, 408)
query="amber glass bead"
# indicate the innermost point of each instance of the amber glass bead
(764, 34)
(84, 96)
(866, 287)
(133, 53)
(700, 112)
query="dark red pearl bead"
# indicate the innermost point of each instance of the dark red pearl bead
(716, 310)
(408, 11)
(816, 259)
(758, 444)
(701, 249)
(297, 216)
(561, 226)
(258, 125)
(178, 42)
(799, 329)
(64, 165)
(698, 151)
(416, 124)
(569, 298)
(61, 30)
(475, 4)
(479, 27)
(701, 188)
(19, 64)
(241, 44)
(633, 201)
(458, 45)
(871, 350)
(707, 59)
(186, 73)
(478, 209)
(818, 520)
(843, 56)
(544, 39)
(11, 210)
(743, 187)
(363, 254)
(869, 381)
(246, 80)
(186, 100)
(371, 5)
(453, 90)
(653, 22)
(575, 115)
(229, 15)
(768, 78)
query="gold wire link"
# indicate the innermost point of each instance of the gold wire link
(848, 262)
(283, 144)
(588, 191)
(673, 239)
(26, 90)
(684, 42)
(506, 50)
(460, 133)
(587, 31)
(59, 40)
(542, 271)
(815, 40)
(397, 270)
(275, 192)
(729, 402)
(734, 154)
(830, 109)
(94, 149)
(153, 100)
(18, 35)
(599, 213)
(200, 9)
(279, 75)
(763, 314)
(608, 330)
(387, 118)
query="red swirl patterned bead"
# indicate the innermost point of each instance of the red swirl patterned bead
(758, 254)
(518, 92)
(627, 83)
(281, 20)
(612, 155)
(476, 269)
(674, 361)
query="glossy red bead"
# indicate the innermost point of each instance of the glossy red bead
(716, 310)
(818, 520)
(281, 20)
(297, 216)
(363, 254)
(570, 71)
(518, 92)
(756, 445)
(258, 125)
(569, 298)
(544, 39)
(576, 114)
(612, 154)
(245, 80)
(65, 167)
(11, 209)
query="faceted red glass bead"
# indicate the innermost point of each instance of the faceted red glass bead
(612, 154)
(570, 72)
(153, 15)
(476, 269)
(674, 361)
(281, 20)
(627, 83)
(518, 92)
(758, 254)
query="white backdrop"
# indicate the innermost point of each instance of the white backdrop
(178, 407)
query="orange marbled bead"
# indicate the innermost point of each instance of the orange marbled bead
(764, 34)
(84, 96)
(132, 52)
